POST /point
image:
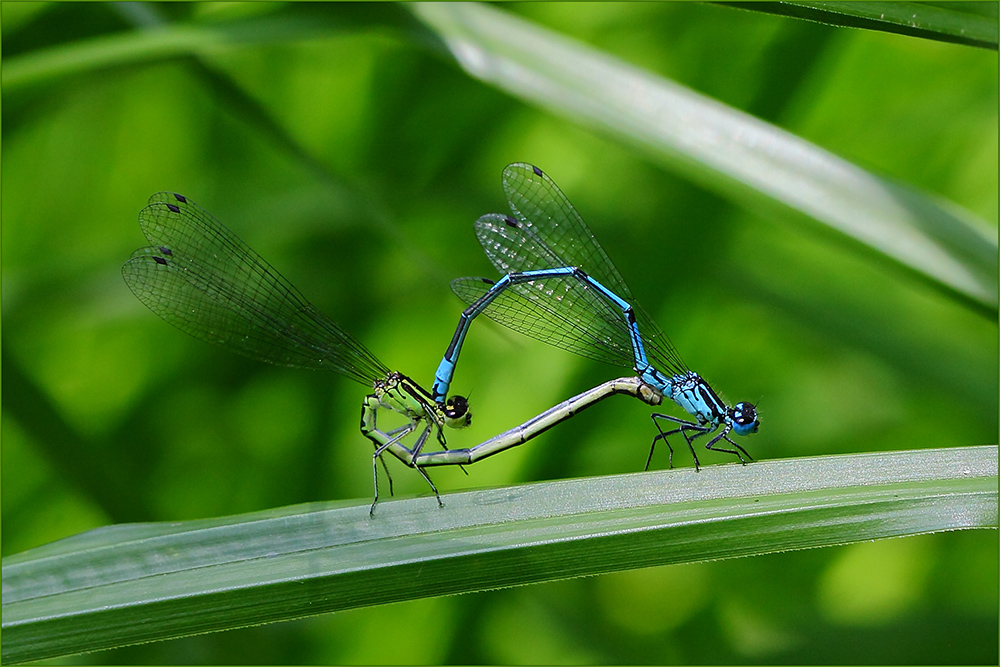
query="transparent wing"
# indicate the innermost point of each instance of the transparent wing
(519, 310)
(201, 278)
(550, 218)
(562, 311)
(552, 234)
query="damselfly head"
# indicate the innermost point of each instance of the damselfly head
(456, 412)
(744, 418)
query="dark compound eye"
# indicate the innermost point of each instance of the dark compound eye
(456, 407)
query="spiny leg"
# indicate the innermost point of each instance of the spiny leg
(369, 426)
(660, 436)
(725, 436)
(684, 428)
(392, 437)
(427, 479)
(382, 440)
(399, 433)
(377, 457)
(371, 510)
(413, 461)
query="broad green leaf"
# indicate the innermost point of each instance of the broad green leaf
(132, 583)
(725, 149)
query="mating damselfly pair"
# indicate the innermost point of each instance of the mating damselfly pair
(558, 285)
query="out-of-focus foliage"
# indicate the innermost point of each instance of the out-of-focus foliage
(355, 158)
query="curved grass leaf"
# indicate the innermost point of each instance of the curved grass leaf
(109, 51)
(970, 23)
(132, 583)
(155, 39)
(723, 148)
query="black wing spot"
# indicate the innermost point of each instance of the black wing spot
(159, 260)
(538, 172)
(511, 222)
(181, 198)
(167, 251)
(174, 207)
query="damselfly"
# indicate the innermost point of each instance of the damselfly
(200, 277)
(559, 286)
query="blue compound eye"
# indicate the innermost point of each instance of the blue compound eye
(745, 418)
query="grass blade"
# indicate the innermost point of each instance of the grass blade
(969, 23)
(141, 582)
(725, 149)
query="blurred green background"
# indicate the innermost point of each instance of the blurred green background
(355, 160)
